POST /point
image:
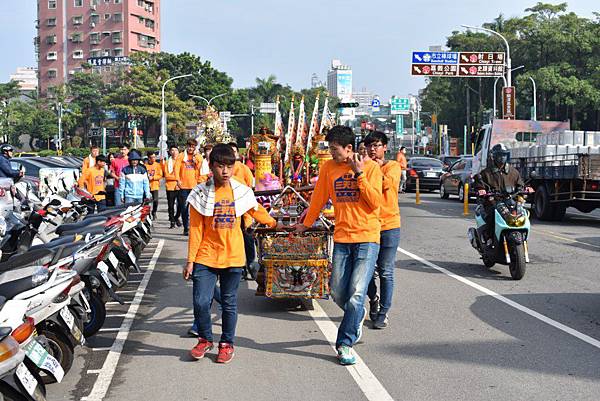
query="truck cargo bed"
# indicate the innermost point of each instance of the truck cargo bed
(559, 167)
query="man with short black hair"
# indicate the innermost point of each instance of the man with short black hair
(354, 186)
(155, 175)
(187, 172)
(90, 161)
(118, 164)
(93, 179)
(173, 204)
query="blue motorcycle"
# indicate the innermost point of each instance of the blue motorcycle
(508, 244)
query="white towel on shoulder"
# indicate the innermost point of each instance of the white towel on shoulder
(202, 198)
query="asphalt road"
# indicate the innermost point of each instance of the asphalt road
(458, 331)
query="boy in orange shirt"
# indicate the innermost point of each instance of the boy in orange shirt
(187, 173)
(173, 204)
(354, 186)
(155, 174)
(90, 161)
(215, 248)
(389, 216)
(93, 179)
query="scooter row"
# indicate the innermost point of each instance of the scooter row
(53, 295)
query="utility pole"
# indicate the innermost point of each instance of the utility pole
(534, 109)
(60, 133)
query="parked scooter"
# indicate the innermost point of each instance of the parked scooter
(508, 244)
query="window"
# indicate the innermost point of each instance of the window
(118, 17)
(78, 54)
(106, 53)
(52, 73)
(78, 3)
(51, 22)
(117, 1)
(93, 3)
(52, 56)
(94, 38)
(95, 53)
(51, 4)
(107, 1)
(77, 37)
(117, 37)
(106, 16)
(118, 52)
(94, 19)
(51, 39)
(78, 20)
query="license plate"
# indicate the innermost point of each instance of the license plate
(26, 378)
(69, 320)
(430, 175)
(132, 256)
(43, 360)
(113, 260)
(103, 268)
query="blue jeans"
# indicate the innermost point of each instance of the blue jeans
(184, 207)
(133, 200)
(117, 198)
(386, 263)
(353, 266)
(216, 297)
(204, 280)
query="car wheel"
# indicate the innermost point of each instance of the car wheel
(443, 193)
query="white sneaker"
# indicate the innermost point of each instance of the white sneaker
(360, 326)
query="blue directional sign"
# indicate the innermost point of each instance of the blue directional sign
(443, 58)
(376, 103)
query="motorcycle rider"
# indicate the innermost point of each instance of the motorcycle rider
(498, 176)
(6, 171)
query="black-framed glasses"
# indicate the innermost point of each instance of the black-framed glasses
(374, 145)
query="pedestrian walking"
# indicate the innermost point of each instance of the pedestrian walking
(215, 248)
(187, 173)
(134, 185)
(389, 237)
(401, 159)
(354, 185)
(173, 205)
(110, 181)
(155, 174)
(118, 164)
(93, 179)
(90, 160)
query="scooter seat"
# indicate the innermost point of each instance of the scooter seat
(83, 227)
(111, 211)
(31, 258)
(55, 243)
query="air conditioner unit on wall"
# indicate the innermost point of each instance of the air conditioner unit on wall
(92, 24)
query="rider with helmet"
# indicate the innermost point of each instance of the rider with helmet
(498, 176)
(6, 171)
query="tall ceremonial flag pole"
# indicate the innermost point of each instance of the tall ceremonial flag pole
(301, 133)
(327, 120)
(279, 134)
(314, 122)
(289, 140)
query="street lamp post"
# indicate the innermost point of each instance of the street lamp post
(534, 110)
(208, 101)
(163, 115)
(508, 60)
(60, 130)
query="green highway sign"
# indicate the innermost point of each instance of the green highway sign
(400, 105)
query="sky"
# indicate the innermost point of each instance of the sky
(294, 39)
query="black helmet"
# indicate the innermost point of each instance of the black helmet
(500, 154)
(5, 148)
(134, 155)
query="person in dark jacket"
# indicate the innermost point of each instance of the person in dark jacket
(6, 171)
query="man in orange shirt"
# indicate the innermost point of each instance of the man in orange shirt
(401, 159)
(240, 170)
(215, 248)
(173, 204)
(90, 161)
(389, 217)
(354, 186)
(93, 180)
(187, 173)
(155, 174)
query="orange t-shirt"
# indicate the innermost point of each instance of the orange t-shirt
(401, 159)
(389, 215)
(243, 173)
(187, 170)
(170, 179)
(155, 174)
(94, 180)
(217, 241)
(86, 164)
(356, 201)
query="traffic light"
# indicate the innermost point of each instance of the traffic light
(349, 105)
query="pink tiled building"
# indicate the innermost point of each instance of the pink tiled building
(100, 32)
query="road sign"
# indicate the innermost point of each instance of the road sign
(225, 116)
(508, 103)
(458, 64)
(132, 124)
(444, 58)
(400, 105)
(418, 126)
(399, 126)
(268, 108)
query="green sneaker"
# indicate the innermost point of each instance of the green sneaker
(345, 355)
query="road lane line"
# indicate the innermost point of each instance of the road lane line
(362, 375)
(583, 337)
(109, 367)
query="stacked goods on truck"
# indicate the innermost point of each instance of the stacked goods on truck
(562, 165)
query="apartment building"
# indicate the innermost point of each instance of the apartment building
(102, 33)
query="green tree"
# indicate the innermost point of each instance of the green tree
(86, 100)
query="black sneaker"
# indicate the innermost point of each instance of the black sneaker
(186, 232)
(374, 308)
(172, 225)
(381, 322)
(178, 222)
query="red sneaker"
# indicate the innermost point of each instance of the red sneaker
(201, 348)
(225, 353)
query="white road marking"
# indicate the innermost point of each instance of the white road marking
(101, 349)
(116, 315)
(92, 371)
(134, 282)
(583, 337)
(362, 375)
(118, 303)
(109, 330)
(112, 360)
(125, 291)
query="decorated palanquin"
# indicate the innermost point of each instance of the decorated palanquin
(293, 265)
(266, 158)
